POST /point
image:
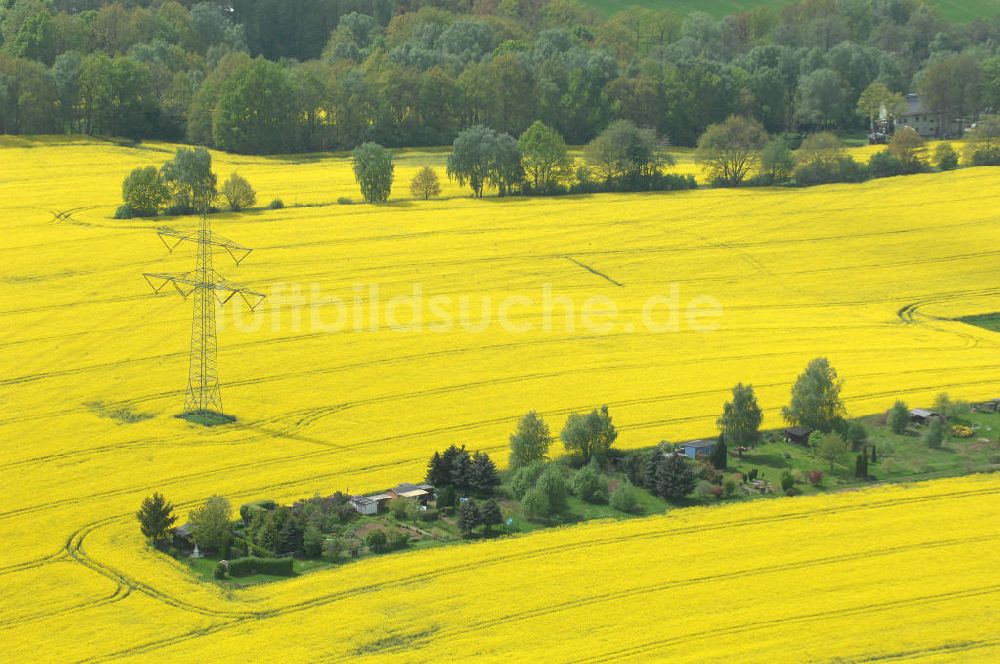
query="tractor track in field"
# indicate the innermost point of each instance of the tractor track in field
(737, 630)
(430, 575)
(945, 648)
(682, 583)
(120, 593)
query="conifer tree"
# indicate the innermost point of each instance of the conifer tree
(155, 517)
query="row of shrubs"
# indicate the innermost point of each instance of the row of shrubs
(634, 182)
(250, 565)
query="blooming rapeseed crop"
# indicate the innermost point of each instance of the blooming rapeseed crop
(868, 275)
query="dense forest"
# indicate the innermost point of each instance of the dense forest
(270, 76)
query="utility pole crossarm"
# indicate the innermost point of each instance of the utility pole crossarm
(171, 238)
(187, 282)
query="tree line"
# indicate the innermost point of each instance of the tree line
(269, 76)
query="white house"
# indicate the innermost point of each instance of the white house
(926, 123)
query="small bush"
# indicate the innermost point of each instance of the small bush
(125, 212)
(841, 169)
(787, 481)
(397, 539)
(936, 433)
(403, 509)
(590, 486)
(252, 565)
(312, 542)
(345, 200)
(945, 157)
(332, 548)
(525, 477)
(220, 570)
(429, 514)
(986, 157)
(377, 541)
(276, 204)
(536, 504)
(729, 488)
(549, 188)
(885, 165)
(815, 477)
(625, 498)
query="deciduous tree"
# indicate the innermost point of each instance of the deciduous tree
(729, 150)
(425, 184)
(144, 192)
(544, 155)
(590, 435)
(777, 163)
(834, 448)
(816, 401)
(531, 441)
(373, 170)
(190, 179)
(898, 418)
(210, 523)
(741, 417)
(908, 147)
(238, 193)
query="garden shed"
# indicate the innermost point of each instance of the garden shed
(371, 504)
(922, 415)
(696, 449)
(798, 435)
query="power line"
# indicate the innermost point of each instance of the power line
(208, 287)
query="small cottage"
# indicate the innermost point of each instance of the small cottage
(798, 435)
(697, 449)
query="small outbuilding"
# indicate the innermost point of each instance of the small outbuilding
(182, 538)
(799, 435)
(697, 449)
(922, 416)
(419, 492)
(371, 504)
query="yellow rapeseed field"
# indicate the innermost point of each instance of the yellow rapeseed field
(94, 368)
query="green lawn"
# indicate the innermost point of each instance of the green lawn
(952, 10)
(204, 568)
(988, 321)
(901, 458)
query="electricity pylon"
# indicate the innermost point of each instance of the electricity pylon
(207, 286)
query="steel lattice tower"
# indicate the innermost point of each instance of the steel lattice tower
(208, 287)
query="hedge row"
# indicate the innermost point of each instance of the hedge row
(254, 565)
